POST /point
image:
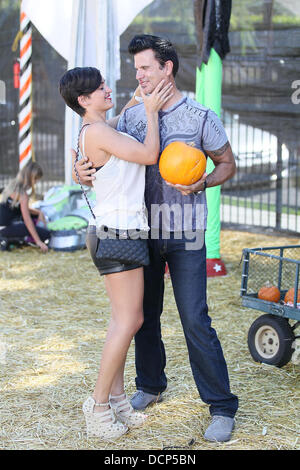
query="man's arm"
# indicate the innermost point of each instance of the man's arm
(225, 169)
(225, 166)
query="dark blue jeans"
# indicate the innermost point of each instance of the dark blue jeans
(188, 275)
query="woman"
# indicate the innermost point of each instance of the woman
(120, 181)
(15, 207)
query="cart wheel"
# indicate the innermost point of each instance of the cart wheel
(270, 340)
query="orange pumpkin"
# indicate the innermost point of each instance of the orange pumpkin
(289, 296)
(181, 163)
(270, 293)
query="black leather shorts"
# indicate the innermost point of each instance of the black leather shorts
(104, 266)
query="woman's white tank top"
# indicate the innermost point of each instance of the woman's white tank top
(120, 188)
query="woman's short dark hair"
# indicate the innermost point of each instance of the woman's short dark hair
(163, 49)
(77, 82)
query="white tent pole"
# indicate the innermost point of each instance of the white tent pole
(112, 38)
(73, 120)
(95, 35)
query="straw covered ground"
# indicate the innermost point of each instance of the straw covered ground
(53, 316)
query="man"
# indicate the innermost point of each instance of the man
(176, 213)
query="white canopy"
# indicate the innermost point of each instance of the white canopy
(85, 33)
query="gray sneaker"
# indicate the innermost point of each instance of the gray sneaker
(220, 429)
(140, 400)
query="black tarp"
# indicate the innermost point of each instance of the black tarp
(212, 20)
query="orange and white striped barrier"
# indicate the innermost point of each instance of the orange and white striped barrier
(25, 102)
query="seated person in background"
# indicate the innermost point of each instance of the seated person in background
(14, 207)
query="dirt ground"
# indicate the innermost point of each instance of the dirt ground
(54, 313)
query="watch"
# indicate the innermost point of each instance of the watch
(204, 188)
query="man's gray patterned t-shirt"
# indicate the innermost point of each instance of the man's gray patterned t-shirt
(186, 121)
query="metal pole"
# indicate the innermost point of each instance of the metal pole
(279, 184)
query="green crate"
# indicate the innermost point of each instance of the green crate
(276, 265)
(271, 338)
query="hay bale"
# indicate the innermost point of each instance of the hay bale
(54, 314)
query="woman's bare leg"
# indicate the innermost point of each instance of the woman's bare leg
(118, 383)
(125, 290)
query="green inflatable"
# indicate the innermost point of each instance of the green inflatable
(208, 93)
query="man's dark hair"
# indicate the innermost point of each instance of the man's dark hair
(77, 82)
(163, 49)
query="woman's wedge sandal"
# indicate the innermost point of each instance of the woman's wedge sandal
(124, 411)
(103, 424)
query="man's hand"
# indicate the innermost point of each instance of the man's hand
(84, 169)
(192, 188)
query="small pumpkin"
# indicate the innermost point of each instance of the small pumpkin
(270, 293)
(182, 163)
(289, 296)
